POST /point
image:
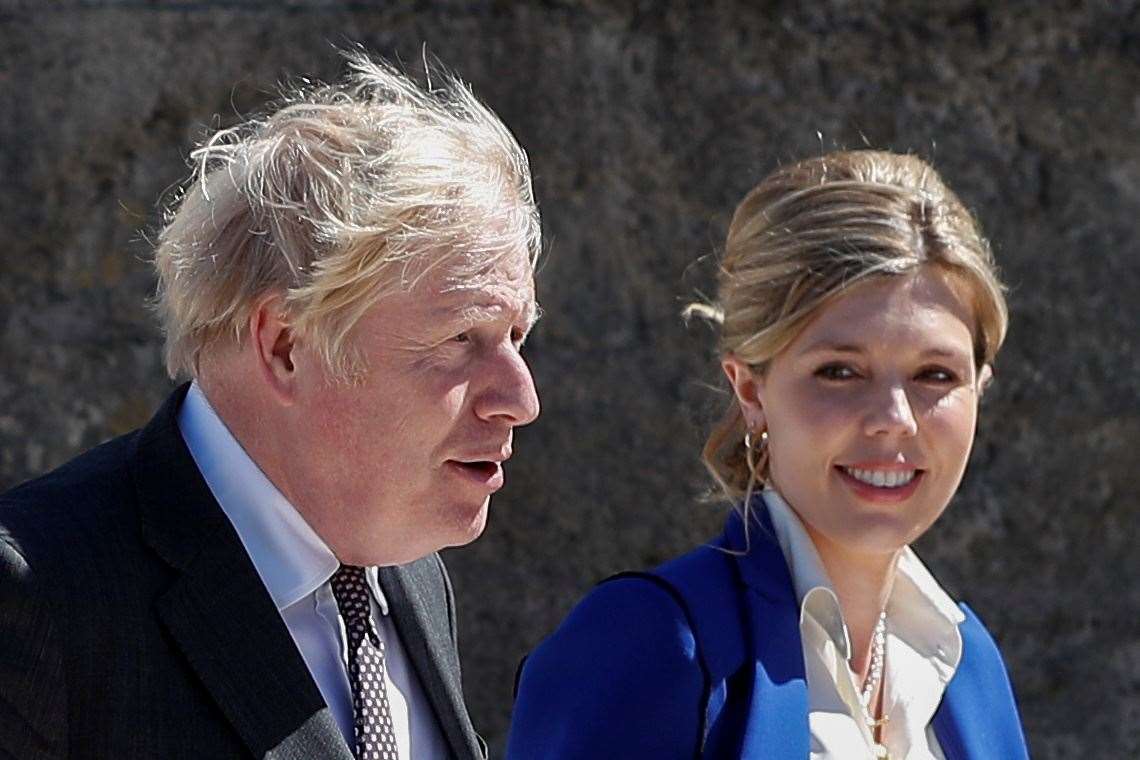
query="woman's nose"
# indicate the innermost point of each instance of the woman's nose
(892, 414)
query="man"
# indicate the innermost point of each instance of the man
(348, 282)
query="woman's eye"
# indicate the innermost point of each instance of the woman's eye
(836, 372)
(937, 375)
(462, 337)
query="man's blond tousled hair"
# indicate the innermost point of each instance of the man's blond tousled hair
(807, 234)
(342, 194)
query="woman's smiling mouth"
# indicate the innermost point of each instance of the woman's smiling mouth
(881, 478)
(890, 484)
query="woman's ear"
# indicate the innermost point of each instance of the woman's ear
(985, 377)
(748, 387)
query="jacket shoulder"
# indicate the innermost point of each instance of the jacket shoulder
(708, 581)
(620, 677)
(76, 511)
(77, 531)
(89, 478)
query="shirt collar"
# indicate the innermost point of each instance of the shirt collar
(372, 575)
(290, 557)
(800, 553)
(919, 610)
(925, 615)
(814, 591)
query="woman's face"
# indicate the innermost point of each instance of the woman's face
(870, 412)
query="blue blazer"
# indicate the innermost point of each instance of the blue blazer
(702, 658)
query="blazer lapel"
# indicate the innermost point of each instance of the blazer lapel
(218, 611)
(951, 726)
(777, 725)
(978, 714)
(425, 632)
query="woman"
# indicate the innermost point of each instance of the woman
(860, 316)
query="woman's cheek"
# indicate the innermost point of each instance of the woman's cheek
(958, 407)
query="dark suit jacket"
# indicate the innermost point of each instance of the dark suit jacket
(133, 624)
(703, 659)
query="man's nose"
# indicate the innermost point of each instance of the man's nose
(508, 391)
(891, 413)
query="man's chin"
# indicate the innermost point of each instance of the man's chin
(470, 523)
(457, 525)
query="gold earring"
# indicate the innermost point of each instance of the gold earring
(749, 451)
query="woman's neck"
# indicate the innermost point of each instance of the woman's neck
(862, 583)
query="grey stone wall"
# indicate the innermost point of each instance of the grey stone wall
(646, 122)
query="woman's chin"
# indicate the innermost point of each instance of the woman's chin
(874, 535)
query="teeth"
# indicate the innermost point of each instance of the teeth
(882, 478)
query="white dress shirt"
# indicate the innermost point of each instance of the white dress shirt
(295, 565)
(923, 649)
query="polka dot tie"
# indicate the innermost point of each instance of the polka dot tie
(372, 716)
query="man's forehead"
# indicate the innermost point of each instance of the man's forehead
(502, 285)
(486, 302)
(509, 272)
(463, 285)
(494, 281)
(451, 270)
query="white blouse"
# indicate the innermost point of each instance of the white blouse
(923, 649)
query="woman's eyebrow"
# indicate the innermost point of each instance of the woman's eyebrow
(827, 346)
(833, 347)
(945, 353)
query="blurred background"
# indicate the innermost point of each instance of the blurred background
(646, 122)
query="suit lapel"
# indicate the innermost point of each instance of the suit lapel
(777, 724)
(416, 595)
(218, 611)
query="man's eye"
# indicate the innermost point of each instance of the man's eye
(836, 372)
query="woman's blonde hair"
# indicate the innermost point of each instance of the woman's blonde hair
(808, 233)
(334, 199)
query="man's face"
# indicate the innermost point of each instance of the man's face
(404, 462)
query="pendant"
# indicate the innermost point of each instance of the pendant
(880, 752)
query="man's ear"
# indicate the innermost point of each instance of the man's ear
(273, 343)
(748, 388)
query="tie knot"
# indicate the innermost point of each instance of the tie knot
(350, 588)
